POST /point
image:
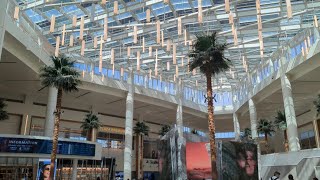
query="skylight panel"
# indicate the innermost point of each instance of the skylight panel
(53, 12)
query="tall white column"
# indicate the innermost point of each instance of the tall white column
(26, 117)
(51, 107)
(292, 128)
(179, 119)
(128, 129)
(74, 169)
(236, 127)
(253, 119)
(3, 11)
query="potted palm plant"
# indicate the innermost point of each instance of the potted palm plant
(164, 129)
(90, 125)
(207, 54)
(3, 114)
(265, 127)
(141, 130)
(62, 75)
(246, 135)
(281, 123)
(317, 105)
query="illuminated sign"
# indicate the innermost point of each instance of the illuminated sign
(111, 130)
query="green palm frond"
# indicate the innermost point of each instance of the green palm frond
(61, 74)
(141, 128)
(246, 133)
(164, 129)
(208, 54)
(280, 120)
(3, 114)
(91, 121)
(317, 104)
(265, 127)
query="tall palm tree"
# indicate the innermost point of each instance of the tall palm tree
(141, 130)
(64, 77)
(164, 129)
(208, 55)
(3, 114)
(90, 125)
(265, 127)
(281, 123)
(317, 104)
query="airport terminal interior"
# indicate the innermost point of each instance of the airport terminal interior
(159, 89)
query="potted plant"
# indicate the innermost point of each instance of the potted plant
(164, 129)
(281, 123)
(90, 125)
(246, 135)
(265, 127)
(141, 130)
(3, 114)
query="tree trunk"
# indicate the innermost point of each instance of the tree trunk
(286, 146)
(141, 156)
(266, 137)
(89, 135)
(93, 135)
(211, 125)
(55, 133)
(137, 156)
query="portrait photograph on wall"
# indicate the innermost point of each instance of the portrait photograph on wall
(44, 169)
(238, 161)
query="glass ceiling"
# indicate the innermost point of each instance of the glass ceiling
(276, 30)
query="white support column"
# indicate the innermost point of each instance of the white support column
(51, 107)
(236, 127)
(74, 169)
(128, 129)
(3, 11)
(316, 131)
(26, 117)
(253, 119)
(179, 118)
(292, 128)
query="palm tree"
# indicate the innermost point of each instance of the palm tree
(208, 55)
(281, 123)
(265, 127)
(317, 104)
(141, 130)
(164, 129)
(246, 136)
(3, 114)
(64, 77)
(90, 125)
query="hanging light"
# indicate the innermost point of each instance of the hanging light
(174, 53)
(121, 71)
(56, 53)
(135, 35)
(16, 13)
(289, 9)
(168, 66)
(81, 28)
(309, 43)
(315, 21)
(177, 71)
(158, 32)
(115, 8)
(302, 51)
(179, 26)
(138, 60)
(227, 6)
(53, 20)
(259, 22)
(128, 51)
(82, 73)
(166, 1)
(63, 34)
(156, 64)
(168, 45)
(162, 39)
(196, 83)
(150, 71)
(112, 56)
(230, 18)
(83, 44)
(150, 51)
(100, 64)
(101, 45)
(194, 72)
(95, 42)
(258, 7)
(182, 61)
(200, 20)
(113, 69)
(74, 21)
(148, 15)
(185, 37)
(174, 77)
(71, 40)
(143, 45)
(103, 2)
(105, 29)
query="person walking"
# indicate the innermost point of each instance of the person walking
(290, 177)
(276, 176)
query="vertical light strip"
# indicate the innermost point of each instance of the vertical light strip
(115, 8)
(309, 43)
(135, 35)
(100, 64)
(259, 22)
(315, 21)
(174, 53)
(101, 45)
(95, 42)
(174, 77)
(168, 45)
(74, 21)
(81, 28)
(179, 26)
(182, 61)
(148, 15)
(103, 2)
(121, 71)
(258, 7)
(200, 20)
(227, 6)
(168, 66)
(188, 64)
(150, 51)
(112, 56)
(177, 71)
(143, 45)
(113, 69)
(56, 52)
(162, 38)
(158, 32)
(289, 9)
(71, 40)
(138, 60)
(156, 64)
(185, 37)
(194, 72)
(83, 45)
(230, 18)
(53, 20)
(150, 75)
(63, 34)
(16, 13)
(105, 29)
(128, 51)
